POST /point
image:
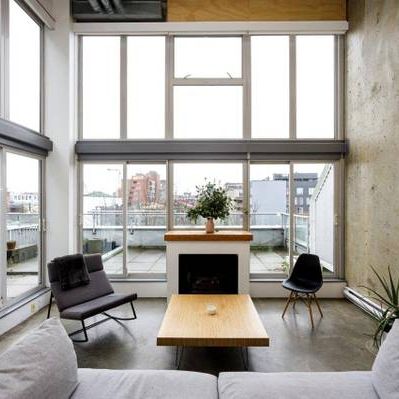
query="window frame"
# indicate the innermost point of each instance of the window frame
(245, 82)
(338, 240)
(4, 301)
(247, 150)
(125, 272)
(5, 61)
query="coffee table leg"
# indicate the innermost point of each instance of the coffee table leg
(179, 355)
(245, 357)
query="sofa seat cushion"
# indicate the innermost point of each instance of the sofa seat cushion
(340, 385)
(149, 384)
(40, 365)
(96, 306)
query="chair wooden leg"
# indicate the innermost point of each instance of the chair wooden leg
(317, 304)
(287, 304)
(309, 304)
(295, 299)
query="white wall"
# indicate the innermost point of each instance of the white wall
(60, 128)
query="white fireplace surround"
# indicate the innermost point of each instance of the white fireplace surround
(191, 245)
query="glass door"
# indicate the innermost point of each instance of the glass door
(269, 219)
(23, 239)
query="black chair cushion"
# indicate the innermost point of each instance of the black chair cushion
(99, 286)
(306, 287)
(96, 306)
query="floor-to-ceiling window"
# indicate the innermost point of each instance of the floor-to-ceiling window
(23, 213)
(203, 104)
(22, 158)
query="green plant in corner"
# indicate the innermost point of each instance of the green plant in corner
(389, 300)
(212, 202)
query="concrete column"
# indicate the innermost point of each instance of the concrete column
(372, 127)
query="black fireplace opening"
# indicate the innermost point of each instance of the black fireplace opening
(208, 274)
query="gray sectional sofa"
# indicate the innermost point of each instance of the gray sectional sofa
(43, 366)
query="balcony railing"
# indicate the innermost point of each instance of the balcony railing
(270, 229)
(23, 228)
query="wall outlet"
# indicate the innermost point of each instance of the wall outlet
(33, 307)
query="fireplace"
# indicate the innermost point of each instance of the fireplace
(208, 274)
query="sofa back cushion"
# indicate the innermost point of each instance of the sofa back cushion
(40, 365)
(385, 372)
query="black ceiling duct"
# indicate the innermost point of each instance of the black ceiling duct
(118, 10)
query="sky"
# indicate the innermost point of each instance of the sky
(22, 173)
(208, 111)
(24, 81)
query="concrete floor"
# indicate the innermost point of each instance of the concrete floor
(339, 342)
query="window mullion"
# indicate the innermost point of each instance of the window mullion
(123, 88)
(246, 194)
(124, 219)
(339, 87)
(169, 74)
(292, 87)
(291, 239)
(169, 188)
(3, 230)
(246, 74)
(5, 59)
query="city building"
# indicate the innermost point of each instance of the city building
(144, 190)
(304, 184)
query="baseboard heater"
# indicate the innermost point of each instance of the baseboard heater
(363, 302)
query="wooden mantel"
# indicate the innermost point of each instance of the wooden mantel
(201, 235)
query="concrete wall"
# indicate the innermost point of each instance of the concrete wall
(372, 127)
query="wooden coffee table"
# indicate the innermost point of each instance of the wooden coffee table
(235, 324)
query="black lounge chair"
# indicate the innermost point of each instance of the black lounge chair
(87, 300)
(305, 280)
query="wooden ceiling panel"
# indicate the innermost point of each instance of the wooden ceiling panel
(256, 10)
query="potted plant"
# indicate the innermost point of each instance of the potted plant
(389, 300)
(213, 203)
(11, 245)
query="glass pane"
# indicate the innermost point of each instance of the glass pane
(270, 86)
(23, 215)
(187, 176)
(314, 212)
(315, 86)
(269, 222)
(24, 81)
(146, 87)
(208, 57)
(146, 193)
(207, 112)
(103, 214)
(101, 87)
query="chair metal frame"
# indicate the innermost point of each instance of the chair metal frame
(85, 328)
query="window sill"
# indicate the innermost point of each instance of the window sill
(8, 309)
